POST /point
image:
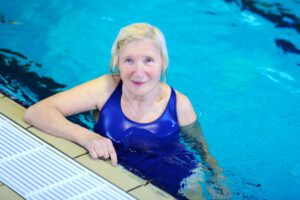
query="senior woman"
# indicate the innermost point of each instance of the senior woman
(140, 116)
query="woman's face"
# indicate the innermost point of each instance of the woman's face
(140, 66)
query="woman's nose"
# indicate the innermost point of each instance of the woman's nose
(139, 68)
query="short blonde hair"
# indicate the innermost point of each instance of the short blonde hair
(139, 31)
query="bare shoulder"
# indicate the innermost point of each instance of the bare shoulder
(84, 97)
(185, 111)
(105, 86)
(99, 89)
(102, 86)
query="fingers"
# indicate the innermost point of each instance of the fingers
(113, 155)
(93, 154)
(103, 148)
(102, 152)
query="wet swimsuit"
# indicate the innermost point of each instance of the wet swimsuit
(152, 150)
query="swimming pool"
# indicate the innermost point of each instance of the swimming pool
(240, 67)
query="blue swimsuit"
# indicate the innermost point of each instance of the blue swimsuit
(152, 150)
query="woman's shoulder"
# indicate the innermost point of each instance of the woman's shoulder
(108, 80)
(84, 97)
(185, 111)
(105, 86)
(102, 85)
(181, 99)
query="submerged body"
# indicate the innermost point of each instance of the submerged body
(152, 149)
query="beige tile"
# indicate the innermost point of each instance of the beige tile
(150, 192)
(115, 175)
(129, 174)
(13, 110)
(69, 148)
(7, 193)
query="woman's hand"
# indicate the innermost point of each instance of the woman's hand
(100, 147)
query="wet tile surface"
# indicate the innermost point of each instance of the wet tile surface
(13, 110)
(149, 192)
(69, 148)
(110, 173)
(7, 193)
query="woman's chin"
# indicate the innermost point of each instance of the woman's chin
(139, 89)
(139, 92)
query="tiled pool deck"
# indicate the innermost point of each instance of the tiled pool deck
(130, 183)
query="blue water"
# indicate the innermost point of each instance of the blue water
(244, 86)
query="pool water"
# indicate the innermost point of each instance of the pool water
(238, 61)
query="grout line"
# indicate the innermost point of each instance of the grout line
(148, 182)
(80, 155)
(134, 188)
(29, 127)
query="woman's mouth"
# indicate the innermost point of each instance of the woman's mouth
(138, 83)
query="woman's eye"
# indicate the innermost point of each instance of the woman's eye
(149, 59)
(128, 60)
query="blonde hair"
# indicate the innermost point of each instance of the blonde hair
(139, 31)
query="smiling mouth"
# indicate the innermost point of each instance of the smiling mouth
(137, 83)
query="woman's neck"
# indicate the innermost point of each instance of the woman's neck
(141, 103)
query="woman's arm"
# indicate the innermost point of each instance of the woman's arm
(191, 131)
(49, 115)
(192, 134)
